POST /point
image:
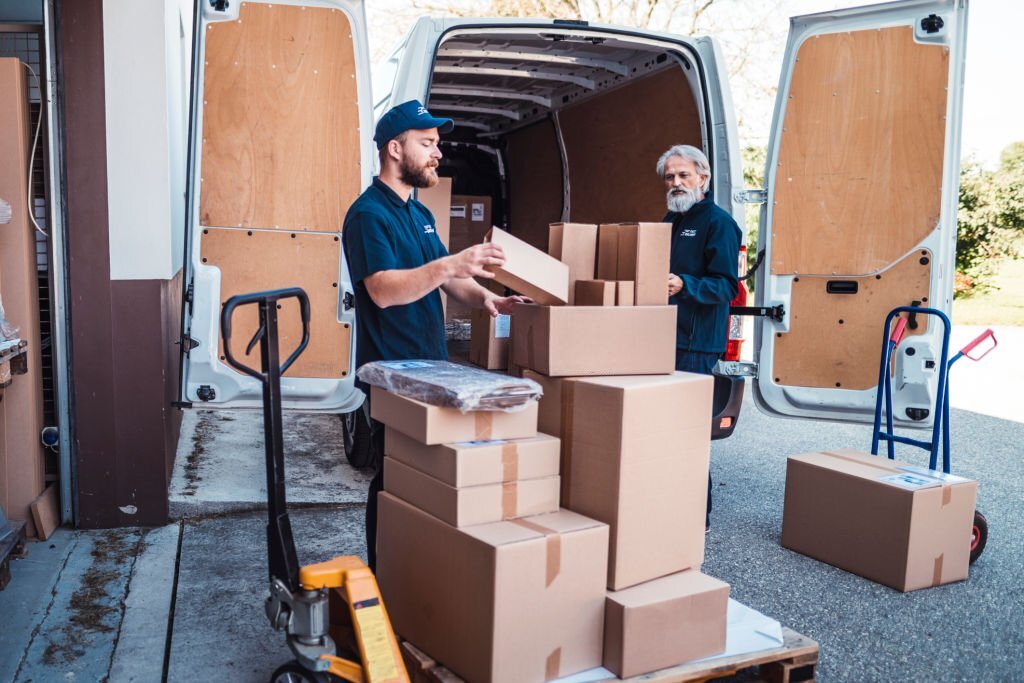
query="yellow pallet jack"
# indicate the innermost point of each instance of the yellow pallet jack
(310, 603)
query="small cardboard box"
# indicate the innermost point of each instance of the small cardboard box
(637, 459)
(903, 526)
(625, 292)
(664, 622)
(530, 271)
(564, 341)
(433, 424)
(574, 244)
(595, 293)
(507, 602)
(472, 463)
(468, 505)
(488, 339)
(469, 221)
(637, 252)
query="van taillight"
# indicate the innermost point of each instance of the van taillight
(735, 344)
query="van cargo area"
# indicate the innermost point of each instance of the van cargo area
(556, 127)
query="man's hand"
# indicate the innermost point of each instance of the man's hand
(503, 304)
(472, 262)
(675, 284)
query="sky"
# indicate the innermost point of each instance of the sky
(993, 88)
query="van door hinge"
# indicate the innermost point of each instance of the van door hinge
(751, 196)
(348, 301)
(187, 343)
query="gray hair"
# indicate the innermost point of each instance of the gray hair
(690, 153)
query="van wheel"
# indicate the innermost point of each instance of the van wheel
(979, 535)
(355, 429)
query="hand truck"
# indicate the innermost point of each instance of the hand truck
(940, 429)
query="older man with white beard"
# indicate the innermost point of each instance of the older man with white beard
(703, 264)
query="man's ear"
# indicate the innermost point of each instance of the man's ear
(395, 149)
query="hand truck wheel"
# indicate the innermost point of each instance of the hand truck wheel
(979, 535)
(293, 672)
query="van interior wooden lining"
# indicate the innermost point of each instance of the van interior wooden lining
(835, 340)
(257, 260)
(613, 142)
(281, 138)
(534, 167)
(859, 174)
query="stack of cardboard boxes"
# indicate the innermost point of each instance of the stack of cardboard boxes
(473, 568)
(477, 563)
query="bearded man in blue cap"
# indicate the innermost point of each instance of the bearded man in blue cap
(398, 264)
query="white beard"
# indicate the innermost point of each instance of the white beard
(682, 200)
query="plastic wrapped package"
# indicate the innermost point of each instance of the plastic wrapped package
(8, 330)
(450, 385)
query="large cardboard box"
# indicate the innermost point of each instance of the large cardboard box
(664, 622)
(439, 200)
(637, 459)
(554, 416)
(468, 505)
(595, 293)
(529, 270)
(469, 221)
(509, 602)
(898, 524)
(488, 339)
(625, 292)
(574, 244)
(562, 341)
(472, 463)
(433, 424)
(637, 252)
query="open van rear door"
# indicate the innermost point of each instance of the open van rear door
(861, 212)
(280, 147)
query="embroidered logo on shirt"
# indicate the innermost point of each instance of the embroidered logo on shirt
(688, 232)
(428, 230)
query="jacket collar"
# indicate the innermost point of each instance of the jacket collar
(700, 207)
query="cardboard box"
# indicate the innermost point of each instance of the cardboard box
(595, 293)
(433, 424)
(488, 340)
(565, 341)
(438, 199)
(664, 622)
(574, 244)
(472, 463)
(637, 458)
(530, 271)
(470, 218)
(898, 524)
(554, 416)
(625, 292)
(638, 252)
(468, 505)
(508, 602)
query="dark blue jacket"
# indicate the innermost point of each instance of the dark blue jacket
(705, 255)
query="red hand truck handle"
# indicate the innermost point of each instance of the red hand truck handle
(980, 338)
(897, 331)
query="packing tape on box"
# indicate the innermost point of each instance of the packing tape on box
(484, 424)
(509, 462)
(947, 494)
(509, 499)
(553, 666)
(858, 461)
(554, 547)
(937, 571)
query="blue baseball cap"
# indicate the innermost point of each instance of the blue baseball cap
(411, 115)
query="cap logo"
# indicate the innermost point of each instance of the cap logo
(422, 111)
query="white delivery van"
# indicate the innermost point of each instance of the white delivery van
(563, 121)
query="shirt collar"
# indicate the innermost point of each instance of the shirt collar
(697, 208)
(391, 195)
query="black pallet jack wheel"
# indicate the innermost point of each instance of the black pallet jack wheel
(979, 535)
(293, 672)
(355, 428)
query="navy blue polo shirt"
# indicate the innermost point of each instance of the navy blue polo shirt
(382, 232)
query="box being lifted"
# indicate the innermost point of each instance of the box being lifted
(530, 271)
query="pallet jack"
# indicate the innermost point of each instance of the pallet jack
(339, 597)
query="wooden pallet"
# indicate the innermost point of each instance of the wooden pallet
(794, 662)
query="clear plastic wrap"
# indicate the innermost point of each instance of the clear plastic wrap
(450, 385)
(8, 330)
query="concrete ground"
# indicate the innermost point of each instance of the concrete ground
(184, 602)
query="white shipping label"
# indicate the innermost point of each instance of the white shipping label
(458, 211)
(911, 481)
(502, 326)
(934, 474)
(477, 213)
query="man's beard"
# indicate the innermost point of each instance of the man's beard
(424, 176)
(682, 199)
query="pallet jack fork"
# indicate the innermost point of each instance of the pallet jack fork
(299, 597)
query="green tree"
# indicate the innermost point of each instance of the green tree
(991, 219)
